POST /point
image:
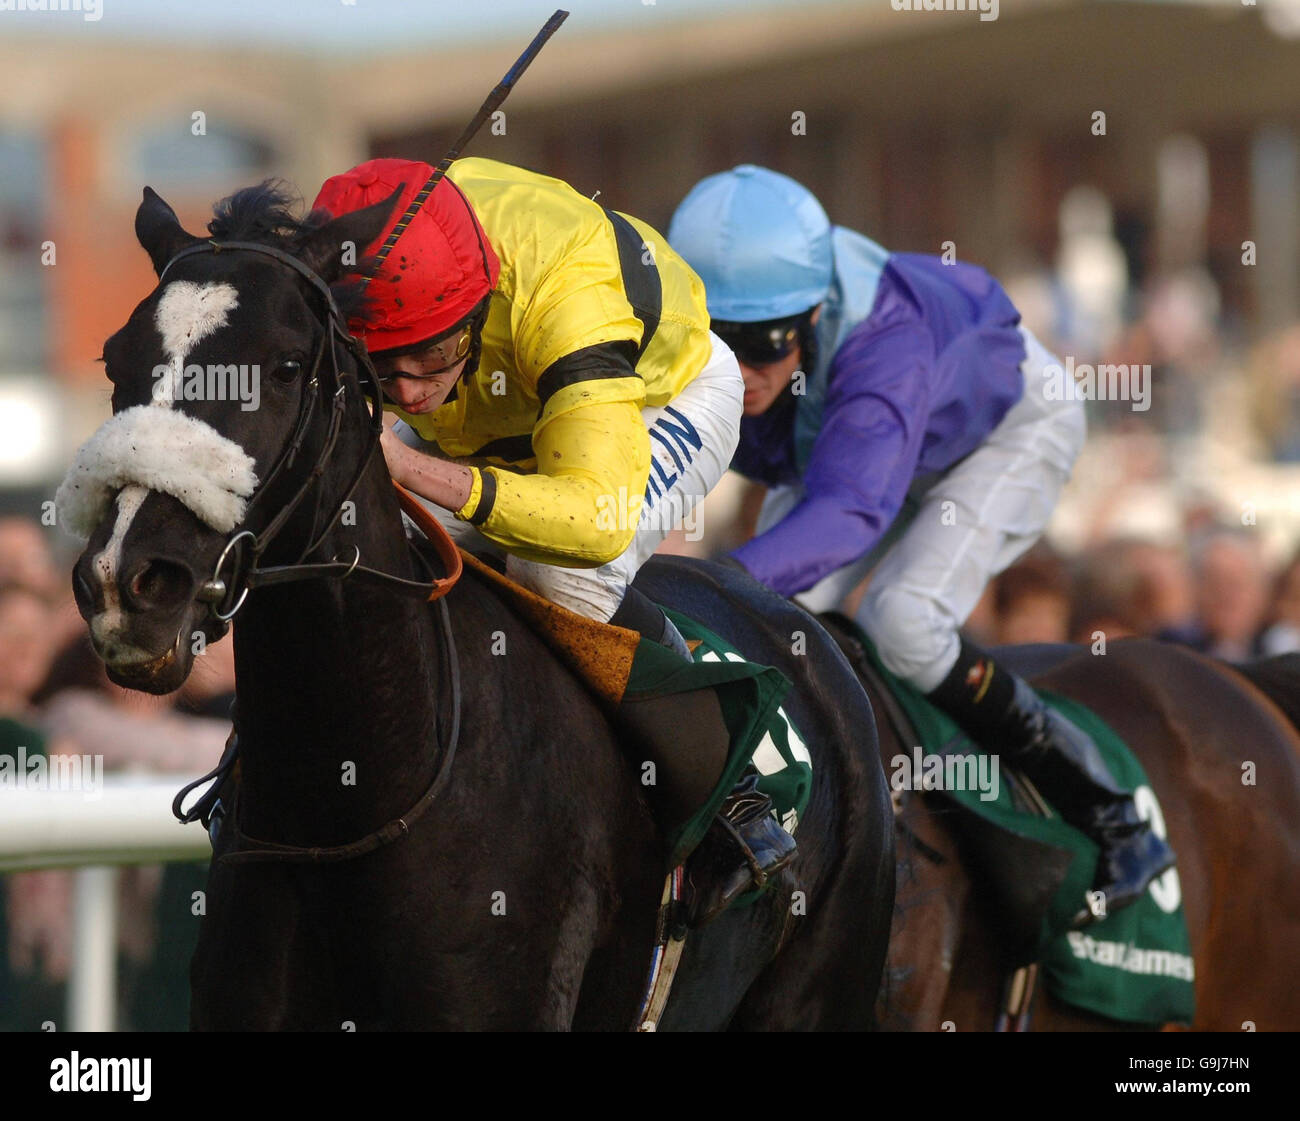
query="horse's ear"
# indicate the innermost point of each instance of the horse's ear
(159, 230)
(324, 249)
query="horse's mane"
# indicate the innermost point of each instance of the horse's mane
(267, 213)
(264, 213)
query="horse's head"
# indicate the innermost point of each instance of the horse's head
(229, 382)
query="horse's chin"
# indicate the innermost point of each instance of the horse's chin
(163, 674)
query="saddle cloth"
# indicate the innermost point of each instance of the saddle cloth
(1135, 965)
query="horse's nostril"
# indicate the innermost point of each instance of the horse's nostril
(82, 592)
(158, 583)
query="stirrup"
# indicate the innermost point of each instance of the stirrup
(717, 878)
(756, 869)
(1149, 857)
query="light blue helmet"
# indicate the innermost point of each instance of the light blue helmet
(760, 242)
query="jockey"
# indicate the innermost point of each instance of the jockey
(563, 402)
(897, 411)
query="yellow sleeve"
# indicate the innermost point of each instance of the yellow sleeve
(576, 303)
(580, 509)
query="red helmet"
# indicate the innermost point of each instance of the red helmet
(441, 267)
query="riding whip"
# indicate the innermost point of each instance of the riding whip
(490, 106)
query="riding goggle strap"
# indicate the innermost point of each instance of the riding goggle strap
(440, 354)
(761, 344)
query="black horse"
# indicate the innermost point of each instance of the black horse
(526, 896)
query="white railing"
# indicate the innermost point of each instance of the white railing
(127, 820)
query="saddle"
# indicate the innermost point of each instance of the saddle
(600, 654)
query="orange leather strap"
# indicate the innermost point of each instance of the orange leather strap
(437, 536)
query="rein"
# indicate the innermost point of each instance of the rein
(251, 849)
(225, 598)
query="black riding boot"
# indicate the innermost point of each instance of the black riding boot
(745, 846)
(1004, 713)
(743, 849)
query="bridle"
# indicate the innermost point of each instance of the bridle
(244, 549)
(225, 597)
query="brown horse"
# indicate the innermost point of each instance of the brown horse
(1221, 749)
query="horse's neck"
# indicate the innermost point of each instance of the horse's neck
(337, 688)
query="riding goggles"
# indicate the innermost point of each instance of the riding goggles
(439, 355)
(761, 344)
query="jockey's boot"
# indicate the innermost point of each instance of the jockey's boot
(744, 846)
(744, 849)
(1004, 714)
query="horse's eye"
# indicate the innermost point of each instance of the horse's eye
(288, 370)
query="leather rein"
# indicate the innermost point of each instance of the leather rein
(224, 597)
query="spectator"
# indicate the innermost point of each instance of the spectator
(34, 949)
(1283, 633)
(1164, 602)
(26, 560)
(1231, 596)
(1128, 587)
(25, 557)
(26, 648)
(1107, 595)
(1031, 599)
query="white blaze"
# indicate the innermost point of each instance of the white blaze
(186, 314)
(143, 449)
(107, 564)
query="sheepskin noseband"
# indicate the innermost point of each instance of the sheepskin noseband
(163, 450)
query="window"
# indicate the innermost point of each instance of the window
(168, 156)
(24, 171)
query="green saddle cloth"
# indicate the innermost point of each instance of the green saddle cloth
(750, 695)
(1135, 965)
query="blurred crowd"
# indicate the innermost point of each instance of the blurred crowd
(55, 698)
(1215, 595)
